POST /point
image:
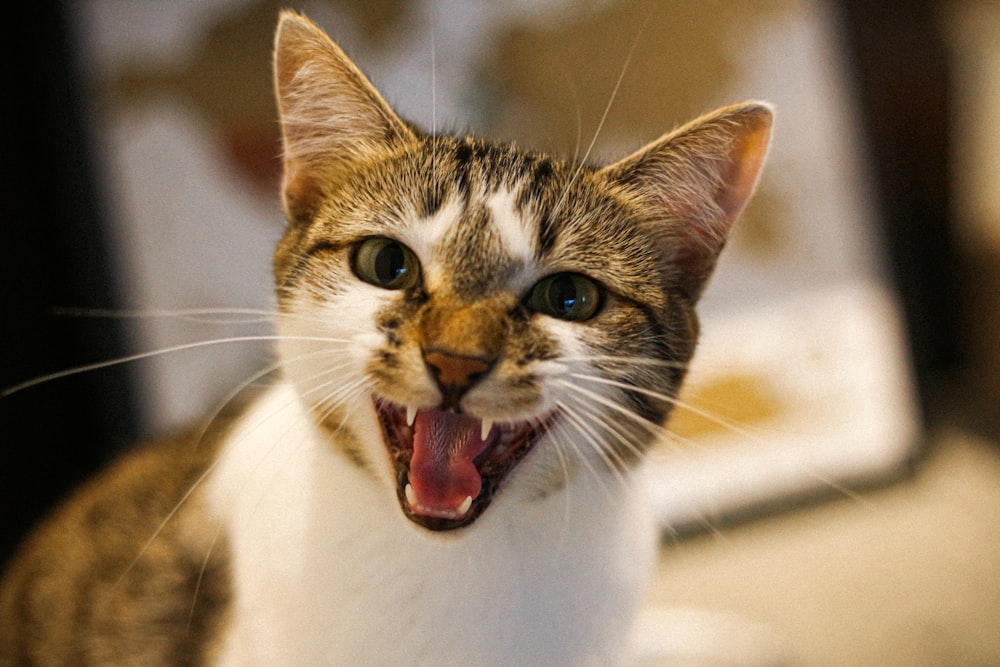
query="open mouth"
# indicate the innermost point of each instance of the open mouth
(449, 466)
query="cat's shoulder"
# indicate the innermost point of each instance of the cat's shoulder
(129, 549)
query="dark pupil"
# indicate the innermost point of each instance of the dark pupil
(562, 294)
(390, 263)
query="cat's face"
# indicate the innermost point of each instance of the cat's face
(487, 307)
(468, 321)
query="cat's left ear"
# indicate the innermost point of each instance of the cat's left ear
(332, 118)
(697, 180)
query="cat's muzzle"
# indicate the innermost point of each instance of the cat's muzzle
(449, 466)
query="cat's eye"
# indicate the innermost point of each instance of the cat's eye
(568, 296)
(386, 263)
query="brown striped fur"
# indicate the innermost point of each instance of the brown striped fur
(132, 571)
(113, 578)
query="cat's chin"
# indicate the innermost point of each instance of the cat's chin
(449, 466)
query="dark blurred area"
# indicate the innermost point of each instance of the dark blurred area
(902, 81)
(55, 251)
(54, 254)
(905, 80)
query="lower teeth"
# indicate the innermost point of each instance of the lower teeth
(411, 498)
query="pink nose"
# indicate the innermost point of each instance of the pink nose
(455, 372)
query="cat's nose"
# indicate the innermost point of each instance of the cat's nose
(455, 374)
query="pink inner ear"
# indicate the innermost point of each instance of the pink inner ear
(702, 236)
(742, 171)
(698, 179)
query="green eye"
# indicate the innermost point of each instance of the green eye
(568, 296)
(386, 263)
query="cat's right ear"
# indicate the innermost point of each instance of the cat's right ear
(332, 118)
(697, 180)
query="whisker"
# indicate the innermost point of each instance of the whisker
(604, 118)
(433, 81)
(239, 389)
(578, 114)
(581, 428)
(729, 424)
(260, 463)
(194, 486)
(201, 573)
(704, 520)
(434, 123)
(630, 360)
(170, 515)
(201, 478)
(200, 315)
(655, 429)
(328, 370)
(330, 401)
(557, 432)
(290, 453)
(613, 429)
(86, 368)
(684, 405)
(255, 471)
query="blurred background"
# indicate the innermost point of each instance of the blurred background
(837, 478)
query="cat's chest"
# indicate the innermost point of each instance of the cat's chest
(326, 570)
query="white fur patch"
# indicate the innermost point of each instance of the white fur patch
(518, 239)
(427, 235)
(327, 570)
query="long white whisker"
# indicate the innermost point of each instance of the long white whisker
(823, 479)
(579, 122)
(732, 426)
(240, 315)
(433, 81)
(201, 573)
(170, 515)
(267, 455)
(330, 401)
(728, 424)
(611, 404)
(326, 370)
(613, 429)
(240, 388)
(194, 486)
(611, 457)
(86, 368)
(572, 420)
(600, 124)
(630, 361)
(656, 429)
(331, 371)
(557, 432)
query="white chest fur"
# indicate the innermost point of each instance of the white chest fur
(328, 571)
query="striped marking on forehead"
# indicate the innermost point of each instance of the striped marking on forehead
(517, 239)
(437, 226)
(476, 242)
(429, 237)
(517, 235)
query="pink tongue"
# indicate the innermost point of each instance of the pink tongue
(442, 471)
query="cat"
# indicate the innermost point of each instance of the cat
(478, 346)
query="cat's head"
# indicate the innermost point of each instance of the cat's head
(468, 320)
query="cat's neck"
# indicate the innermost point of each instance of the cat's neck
(340, 565)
